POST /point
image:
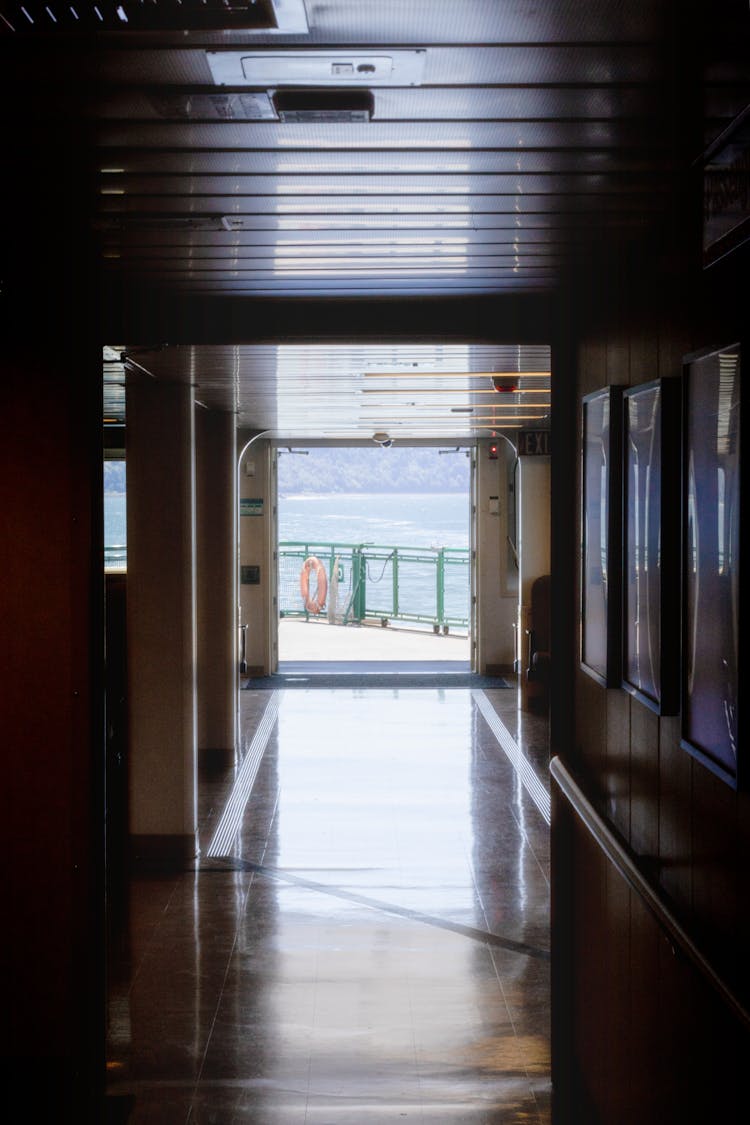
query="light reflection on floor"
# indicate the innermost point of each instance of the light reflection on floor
(373, 944)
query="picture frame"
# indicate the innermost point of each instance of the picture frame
(725, 170)
(601, 536)
(711, 579)
(651, 543)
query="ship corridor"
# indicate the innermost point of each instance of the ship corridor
(507, 227)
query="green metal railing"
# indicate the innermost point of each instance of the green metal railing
(115, 557)
(424, 585)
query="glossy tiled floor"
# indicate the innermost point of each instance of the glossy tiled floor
(365, 937)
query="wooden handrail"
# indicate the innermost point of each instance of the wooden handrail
(626, 864)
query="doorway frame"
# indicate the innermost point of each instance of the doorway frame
(466, 444)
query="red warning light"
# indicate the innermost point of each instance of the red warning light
(493, 451)
(505, 386)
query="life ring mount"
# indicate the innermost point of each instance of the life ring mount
(316, 602)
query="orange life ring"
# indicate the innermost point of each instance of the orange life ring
(317, 603)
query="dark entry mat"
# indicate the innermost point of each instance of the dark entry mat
(404, 674)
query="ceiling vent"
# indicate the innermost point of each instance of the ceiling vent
(251, 105)
(115, 223)
(327, 106)
(269, 69)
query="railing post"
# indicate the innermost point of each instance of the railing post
(358, 584)
(307, 552)
(441, 587)
(395, 583)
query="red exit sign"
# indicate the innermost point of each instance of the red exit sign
(533, 443)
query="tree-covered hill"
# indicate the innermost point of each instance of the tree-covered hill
(397, 469)
(322, 470)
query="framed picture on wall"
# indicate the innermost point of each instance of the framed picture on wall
(651, 543)
(726, 191)
(601, 561)
(711, 470)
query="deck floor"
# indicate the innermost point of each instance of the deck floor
(309, 641)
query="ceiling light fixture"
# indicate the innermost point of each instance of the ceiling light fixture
(328, 107)
(386, 392)
(457, 374)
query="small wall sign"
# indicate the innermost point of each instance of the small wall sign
(533, 443)
(251, 506)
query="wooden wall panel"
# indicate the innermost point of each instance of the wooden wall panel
(645, 1034)
(644, 356)
(644, 781)
(51, 609)
(616, 781)
(652, 1037)
(716, 888)
(617, 1063)
(675, 830)
(591, 747)
(650, 1041)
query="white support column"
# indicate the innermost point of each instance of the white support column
(218, 676)
(497, 589)
(256, 551)
(161, 620)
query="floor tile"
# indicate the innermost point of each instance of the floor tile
(374, 944)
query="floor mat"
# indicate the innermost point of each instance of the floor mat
(374, 674)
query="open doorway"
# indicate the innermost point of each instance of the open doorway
(374, 557)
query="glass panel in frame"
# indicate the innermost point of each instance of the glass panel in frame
(600, 530)
(711, 559)
(651, 543)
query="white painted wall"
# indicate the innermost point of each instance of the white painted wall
(497, 606)
(161, 614)
(534, 521)
(256, 546)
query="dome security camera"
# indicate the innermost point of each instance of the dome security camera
(383, 440)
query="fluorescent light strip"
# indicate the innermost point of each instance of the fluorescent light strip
(456, 374)
(510, 748)
(352, 222)
(456, 391)
(498, 411)
(231, 818)
(391, 420)
(359, 207)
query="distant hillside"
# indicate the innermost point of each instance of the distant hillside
(373, 470)
(353, 470)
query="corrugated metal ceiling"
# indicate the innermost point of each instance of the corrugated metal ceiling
(340, 391)
(521, 115)
(533, 132)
